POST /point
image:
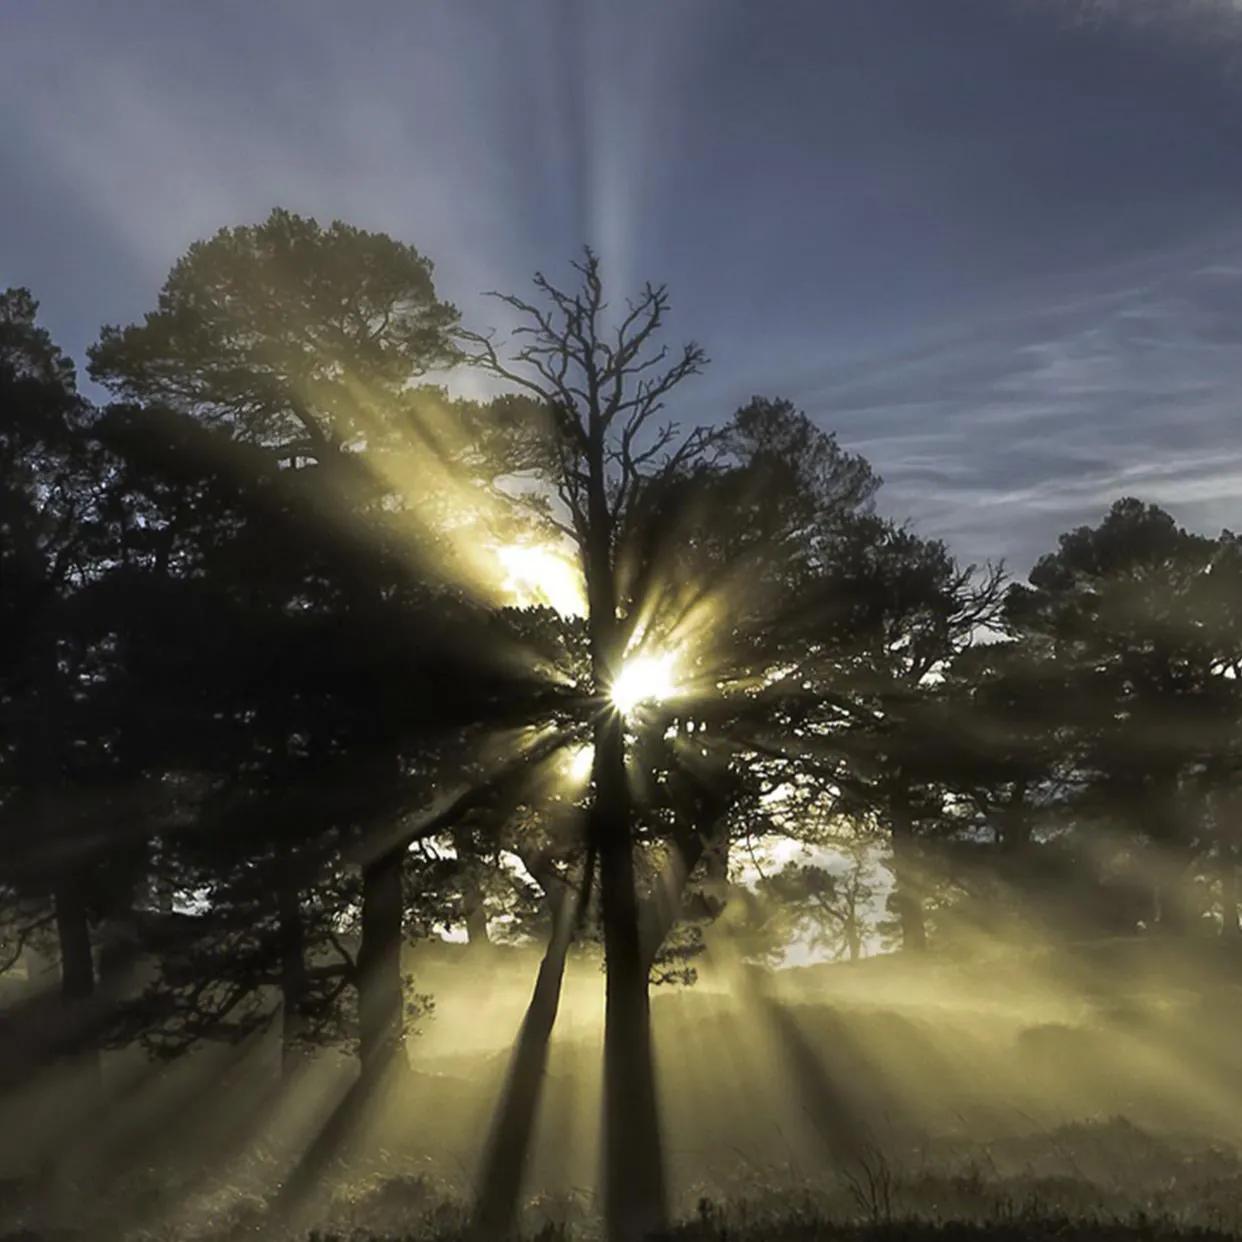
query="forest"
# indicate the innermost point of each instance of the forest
(444, 793)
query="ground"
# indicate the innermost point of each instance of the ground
(1077, 1091)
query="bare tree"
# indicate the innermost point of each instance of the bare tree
(604, 381)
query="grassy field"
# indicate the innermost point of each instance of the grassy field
(1086, 1091)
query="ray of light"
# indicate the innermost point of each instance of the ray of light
(578, 763)
(541, 574)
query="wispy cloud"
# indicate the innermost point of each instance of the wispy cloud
(1000, 436)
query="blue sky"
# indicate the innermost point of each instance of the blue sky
(995, 244)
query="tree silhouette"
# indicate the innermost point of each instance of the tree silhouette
(288, 333)
(1130, 612)
(57, 763)
(604, 387)
(350, 662)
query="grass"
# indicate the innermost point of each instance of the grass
(992, 1094)
(1106, 1180)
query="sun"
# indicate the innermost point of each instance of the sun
(643, 679)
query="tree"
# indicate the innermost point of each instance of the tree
(1131, 614)
(640, 501)
(603, 387)
(292, 335)
(55, 752)
(829, 629)
(823, 906)
(285, 358)
(302, 341)
(880, 619)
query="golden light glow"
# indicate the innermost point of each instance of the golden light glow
(643, 679)
(542, 575)
(578, 761)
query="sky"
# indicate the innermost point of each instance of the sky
(995, 245)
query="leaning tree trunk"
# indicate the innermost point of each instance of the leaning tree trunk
(77, 973)
(381, 1000)
(908, 891)
(506, 1156)
(634, 1191)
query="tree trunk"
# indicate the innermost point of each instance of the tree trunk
(907, 897)
(159, 883)
(633, 1159)
(381, 1029)
(1172, 856)
(1229, 924)
(293, 980)
(476, 915)
(1173, 912)
(716, 867)
(381, 997)
(1015, 822)
(473, 902)
(1171, 917)
(505, 1158)
(708, 842)
(634, 1192)
(853, 941)
(77, 972)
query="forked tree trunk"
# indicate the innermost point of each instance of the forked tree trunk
(634, 1192)
(508, 1149)
(381, 999)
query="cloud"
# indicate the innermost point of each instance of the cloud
(1001, 436)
